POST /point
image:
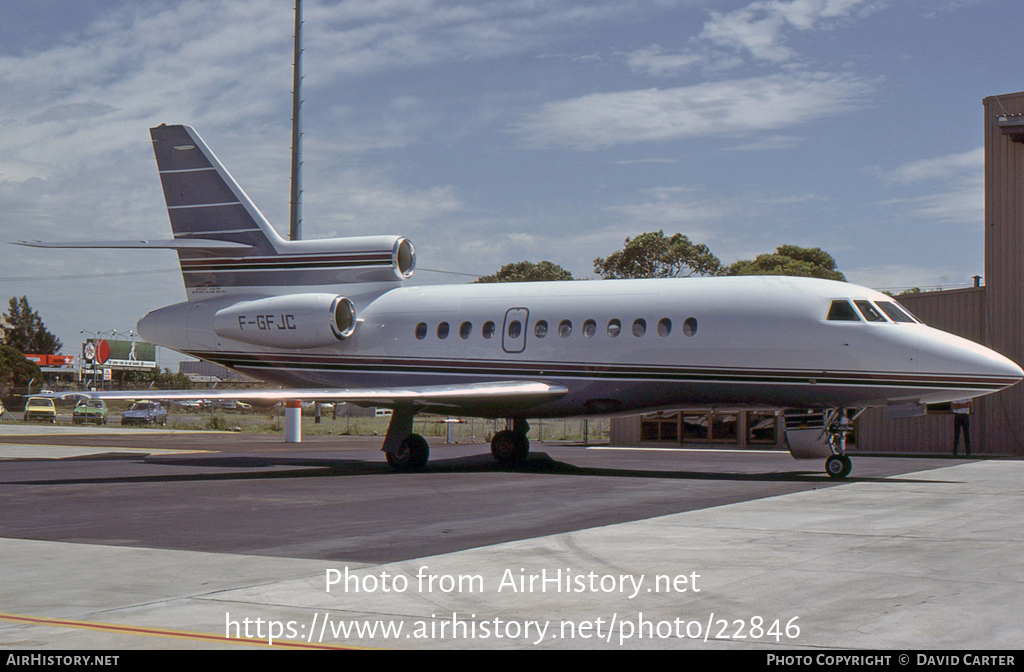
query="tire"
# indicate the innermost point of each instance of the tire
(838, 466)
(412, 454)
(509, 448)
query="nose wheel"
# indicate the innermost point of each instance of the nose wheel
(838, 466)
(838, 427)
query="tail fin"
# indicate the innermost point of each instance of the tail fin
(206, 204)
(203, 200)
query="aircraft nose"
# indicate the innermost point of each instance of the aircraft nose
(971, 364)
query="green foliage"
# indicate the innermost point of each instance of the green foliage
(15, 371)
(165, 380)
(217, 423)
(24, 330)
(526, 271)
(790, 260)
(652, 255)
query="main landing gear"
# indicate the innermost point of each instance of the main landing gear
(404, 450)
(511, 446)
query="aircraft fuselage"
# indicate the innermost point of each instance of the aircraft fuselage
(617, 345)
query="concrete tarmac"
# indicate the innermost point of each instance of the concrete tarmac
(143, 539)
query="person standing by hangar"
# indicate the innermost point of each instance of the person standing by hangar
(962, 423)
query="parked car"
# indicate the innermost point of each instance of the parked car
(89, 410)
(145, 413)
(232, 405)
(40, 408)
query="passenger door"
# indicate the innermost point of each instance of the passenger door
(513, 332)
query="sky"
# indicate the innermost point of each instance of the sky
(492, 132)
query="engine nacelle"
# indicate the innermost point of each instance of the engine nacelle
(292, 321)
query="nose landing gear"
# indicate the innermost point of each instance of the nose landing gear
(814, 434)
(837, 427)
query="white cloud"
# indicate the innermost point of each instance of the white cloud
(726, 108)
(359, 203)
(655, 61)
(765, 143)
(939, 168)
(760, 27)
(959, 179)
(359, 36)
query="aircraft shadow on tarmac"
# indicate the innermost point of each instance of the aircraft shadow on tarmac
(232, 467)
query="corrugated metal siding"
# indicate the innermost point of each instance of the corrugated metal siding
(625, 431)
(1004, 269)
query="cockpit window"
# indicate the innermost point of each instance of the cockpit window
(842, 311)
(895, 312)
(869, 312)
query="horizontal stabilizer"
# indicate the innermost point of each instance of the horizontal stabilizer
(511, 393)
(223, 247)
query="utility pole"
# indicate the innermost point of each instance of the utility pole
(295, 214)
(293, 410)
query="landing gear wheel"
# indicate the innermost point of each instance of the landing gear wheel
(412, 454)
(838, 466)
(510, 448)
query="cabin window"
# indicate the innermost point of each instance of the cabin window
(540, 329)
(664, 327)
(690, 326)
(614, 328)
(589, 328)
(869, 312)
(488, 330)
(515, 327)
(842, 311)
(896, 312)
(421, 330)
(564, 328)
(442, 330)
(465, 329)
(639, 327)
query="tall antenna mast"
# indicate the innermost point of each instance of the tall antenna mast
(295, 215)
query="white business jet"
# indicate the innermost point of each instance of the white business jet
(333, 320)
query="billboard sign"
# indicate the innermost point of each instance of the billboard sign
(119, 355)
(65, 361)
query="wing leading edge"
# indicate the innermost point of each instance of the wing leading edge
(521, 393)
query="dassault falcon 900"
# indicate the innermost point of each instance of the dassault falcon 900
(334, 320)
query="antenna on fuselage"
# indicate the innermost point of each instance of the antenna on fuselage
(295, 214)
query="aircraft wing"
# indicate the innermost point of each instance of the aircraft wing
(475, 395)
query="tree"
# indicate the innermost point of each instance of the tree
(24, 330)
(526, 271)
(15, 371)
(166, 380)
(652, 255)
(808, 262)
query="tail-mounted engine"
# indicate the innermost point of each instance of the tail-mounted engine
(292, 321)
